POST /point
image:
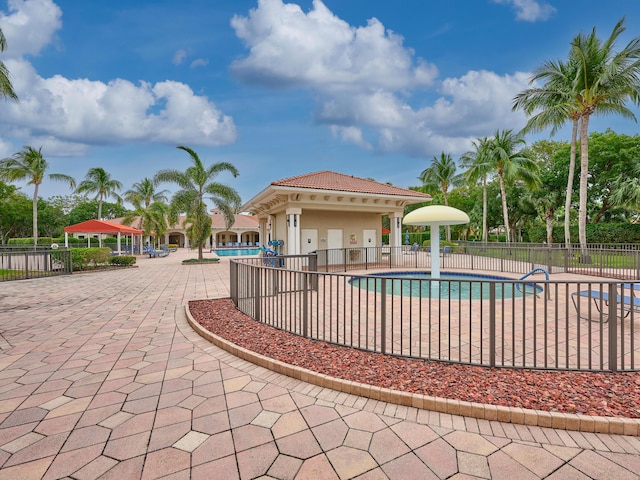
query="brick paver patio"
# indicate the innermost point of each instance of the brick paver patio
(102, 377)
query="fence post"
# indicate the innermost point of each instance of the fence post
(492, 324)
(383, 316)
(613, 327)
(305, 304)
(256, 293)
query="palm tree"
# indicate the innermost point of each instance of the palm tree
(440, 175)
(556, 102)
(511, 164)
(478, 166)
(195, 183)
(606, 81)
(149, 205)
(30, 165)
(99, 181)
(143, 193)
(6, 89)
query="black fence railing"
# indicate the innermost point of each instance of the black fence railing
(24, 263)
(602, 262)
(384, 304)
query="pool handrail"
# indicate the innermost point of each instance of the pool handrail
(538, 288)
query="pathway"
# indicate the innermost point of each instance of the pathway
(101, 377)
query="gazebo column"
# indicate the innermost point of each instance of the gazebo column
(395, 237)
(263, 231)
(293, 231)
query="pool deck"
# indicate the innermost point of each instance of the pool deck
(102, 377)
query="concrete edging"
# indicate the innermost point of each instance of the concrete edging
(516, 415)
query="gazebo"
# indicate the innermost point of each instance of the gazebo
(102, 226)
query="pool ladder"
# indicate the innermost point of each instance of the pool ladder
(535, 289)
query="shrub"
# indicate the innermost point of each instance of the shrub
(173, 245)
(87, 258)
(123, 260)
(596, 233)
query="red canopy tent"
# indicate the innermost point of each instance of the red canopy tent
(102, 226)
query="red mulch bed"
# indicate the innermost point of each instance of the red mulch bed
(602, 394)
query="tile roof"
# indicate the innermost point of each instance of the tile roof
(241, 221)
(328, 180)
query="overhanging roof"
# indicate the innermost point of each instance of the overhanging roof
(101, 226)
(331, 190)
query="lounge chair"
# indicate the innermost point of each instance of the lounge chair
(446, 251)
(157, 253)
(414, 249)
(626, 303)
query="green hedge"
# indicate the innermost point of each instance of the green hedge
(123, 260)
(43, 241)
(90, 258)
(596, 233)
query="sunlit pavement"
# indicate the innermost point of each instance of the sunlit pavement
(102, 377)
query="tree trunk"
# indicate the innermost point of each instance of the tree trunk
(505, 212)
(484, 209)
(572, 169)
(584, 174)
(549, 222)
(447, 228)
(35, 216)
(100, 208)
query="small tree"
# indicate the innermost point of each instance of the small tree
(195, 183)
(6, 89)
(29, 164)
(99, 181)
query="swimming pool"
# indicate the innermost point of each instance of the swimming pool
(454, 286)
(236, 252)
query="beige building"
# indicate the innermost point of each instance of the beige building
(320, 210)
(243, 232)
(326, 210)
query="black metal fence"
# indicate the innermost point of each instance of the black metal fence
(486, 320)
(610, 262)
(30, 262)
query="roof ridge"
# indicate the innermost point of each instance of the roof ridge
(334, 181)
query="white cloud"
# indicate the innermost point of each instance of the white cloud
(367, 84)
(318, 49)
(199, 62)
(351, 135)
(179, 57)
(530, 10)
(82, 111)
(6, 149)
(476, 102)
(29, 26)
(68, 115)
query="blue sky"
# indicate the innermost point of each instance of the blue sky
(371, 88)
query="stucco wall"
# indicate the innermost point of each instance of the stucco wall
(352, 224)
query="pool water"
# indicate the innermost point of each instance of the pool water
(454, 286)
(236, 252)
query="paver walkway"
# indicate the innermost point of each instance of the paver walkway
(101, 377)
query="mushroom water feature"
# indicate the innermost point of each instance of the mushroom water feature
(435, 216)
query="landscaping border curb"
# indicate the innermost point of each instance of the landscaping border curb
(516, 415)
